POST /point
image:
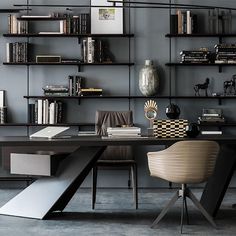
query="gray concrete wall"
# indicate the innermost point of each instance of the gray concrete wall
(149, 27)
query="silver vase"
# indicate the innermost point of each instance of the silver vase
(148, 79)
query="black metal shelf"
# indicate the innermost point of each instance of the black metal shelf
(130, 97)
(200, 35)
(69, 63)
(34, 124)
(16, 10)
(199, 64)
(37, 35)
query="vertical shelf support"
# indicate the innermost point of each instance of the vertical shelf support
(79, 68)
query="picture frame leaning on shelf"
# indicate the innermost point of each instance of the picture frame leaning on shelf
(107, 19)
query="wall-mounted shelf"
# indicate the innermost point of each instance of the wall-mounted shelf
(129, 97)
(12, 10)
(68, 64)
(203, 35)
(199, 64)
(34, 124)
(37, 35)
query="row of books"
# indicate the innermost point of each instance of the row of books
(17, 52)
(79, 24)
(15, 26)
(125, 132)
(76, 83)
(92, 50)
(46, 112)
(183, 22)
(225, 53)
(196, 56)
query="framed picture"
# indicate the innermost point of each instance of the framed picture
(107, 19)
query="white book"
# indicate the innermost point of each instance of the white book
(62, 27)
(189, 22)
(14, 24)
(211, 132)
(52, 113)
(2, 98)
(40, 111)
(7, 52)
(45, 111)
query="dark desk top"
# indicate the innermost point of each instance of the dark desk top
(98, 141)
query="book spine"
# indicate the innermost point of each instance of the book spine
(84, 51)
(9, 24)
(52, 113)
(180, 22)
(45, 111)
(31, 114)
(90, 50)
(40, 111)
(189, 23)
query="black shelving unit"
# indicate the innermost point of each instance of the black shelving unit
(67, 62)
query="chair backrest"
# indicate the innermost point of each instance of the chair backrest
(185, 161)
(104, 119)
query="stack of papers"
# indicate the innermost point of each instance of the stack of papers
(126, 132)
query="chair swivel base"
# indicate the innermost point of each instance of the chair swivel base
(184, 193)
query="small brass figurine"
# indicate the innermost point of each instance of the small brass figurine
(150, 110)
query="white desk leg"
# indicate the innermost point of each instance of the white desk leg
(48, 194)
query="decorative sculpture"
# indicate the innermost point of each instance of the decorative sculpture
(150, 109)
(230, 86)
(203, 86)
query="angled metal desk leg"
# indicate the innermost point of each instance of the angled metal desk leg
(48, 194)
(217, 185)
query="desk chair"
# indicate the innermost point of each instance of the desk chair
(114, 156)
(185, 162)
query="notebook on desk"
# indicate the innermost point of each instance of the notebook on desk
(49, 132)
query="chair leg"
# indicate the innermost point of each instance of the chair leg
(129, 181)
(135, 184)
(186, 209)
(164, 211)
(182, 216)
(94, 186)
(200, 207)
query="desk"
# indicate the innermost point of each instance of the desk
(49, 194)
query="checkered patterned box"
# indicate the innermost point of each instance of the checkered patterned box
(170, 128)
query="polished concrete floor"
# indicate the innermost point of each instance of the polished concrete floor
(115, 215)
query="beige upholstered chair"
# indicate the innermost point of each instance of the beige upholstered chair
(185, 162)
(114, 156)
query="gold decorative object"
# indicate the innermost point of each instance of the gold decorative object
(150, 110)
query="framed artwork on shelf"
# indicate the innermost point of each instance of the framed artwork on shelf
(107, 19)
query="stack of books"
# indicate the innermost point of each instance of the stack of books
(92, 50)
(56, 90)
(15, 26)
(196, 56)
(46, 112)
(17, 52)
(124, 132)
(76, 83)
(183, 22)
(79, 24)
(225, 53)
